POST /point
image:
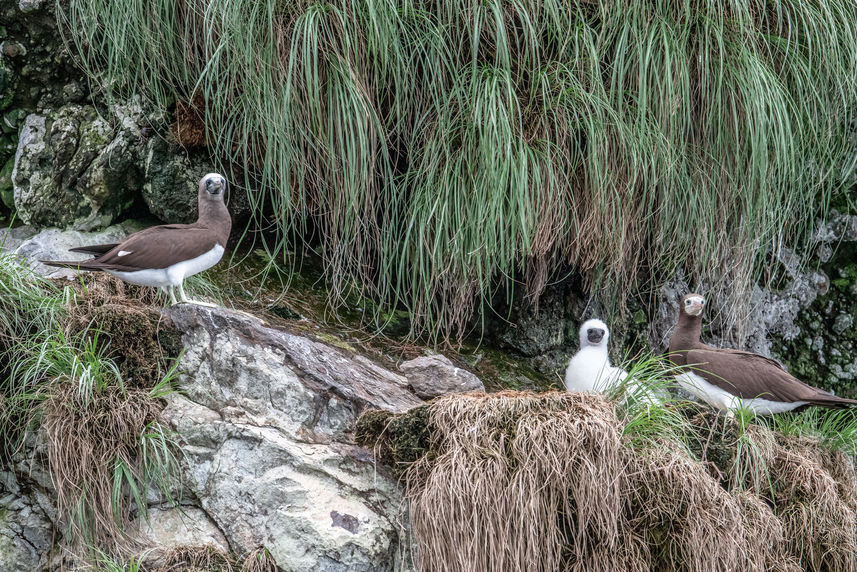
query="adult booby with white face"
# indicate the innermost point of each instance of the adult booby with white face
(164, 256)
(727, 379)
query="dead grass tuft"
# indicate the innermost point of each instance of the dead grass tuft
(196, 559)
(517, 480)
(260, 560)
(525, 478)
(85, 444)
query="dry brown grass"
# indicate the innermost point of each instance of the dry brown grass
(188, 128)
(196, 559)
(84, 444)
(260, 560)
(526, 481)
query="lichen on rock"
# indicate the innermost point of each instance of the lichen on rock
(74, 169)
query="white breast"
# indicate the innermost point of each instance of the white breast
(175, 274)
(590, 370)
(725, 401)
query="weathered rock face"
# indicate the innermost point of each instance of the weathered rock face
(25, 529)
(53, 244)
(35, 67)
(435, 375)
(171, 179)
(75, 168)
(267, 418)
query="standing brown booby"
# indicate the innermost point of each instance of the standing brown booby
(165, 255)
(726, 378)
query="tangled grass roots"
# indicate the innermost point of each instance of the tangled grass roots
(140, 341)
(84, 446)
(517, 480)
(506, 465)
(196, 559)
(816, 497)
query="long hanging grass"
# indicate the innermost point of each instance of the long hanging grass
(438, 151)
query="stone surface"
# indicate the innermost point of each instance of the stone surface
(168, 528)
(267, 418)
(53, 244)
(435, 375)
(25, 530)
(172, 177)
(75, 168)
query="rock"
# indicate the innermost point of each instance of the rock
(30, 5)
(7, 195)
(171, 180)
(53, 244)
(168, 528)
(73, 168)
(25, 532)
(433, 376)
(267, 420)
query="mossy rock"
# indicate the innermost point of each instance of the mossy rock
(398, 440)
(825, 354)
(136, 337)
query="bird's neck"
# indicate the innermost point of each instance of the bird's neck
(215, 215)
(687, 331)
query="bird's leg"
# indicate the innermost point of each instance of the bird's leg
(172, 294)
(185, 299)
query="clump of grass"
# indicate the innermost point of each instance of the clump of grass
(196, 559)
(106, 449)
(573, 481)
(435, 152)
(260, 560)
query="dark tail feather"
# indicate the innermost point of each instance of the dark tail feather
(95, 249)
(835, 402)
(79, 265)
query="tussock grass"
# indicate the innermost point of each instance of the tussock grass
(561, 481)
(105, 449)
(435, 152)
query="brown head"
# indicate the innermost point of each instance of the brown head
(212, 209)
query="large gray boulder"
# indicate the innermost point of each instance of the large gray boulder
(77, 169)
(32, 246)
(267, 419)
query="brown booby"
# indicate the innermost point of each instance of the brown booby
(727, 379)
(164, 256)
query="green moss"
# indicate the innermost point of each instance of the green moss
(825, 353)
(398, 440)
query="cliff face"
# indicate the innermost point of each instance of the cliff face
(265, 422)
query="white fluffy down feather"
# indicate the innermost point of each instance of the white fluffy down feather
(589, 369)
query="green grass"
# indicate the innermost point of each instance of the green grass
(442, 151)
(105, 447)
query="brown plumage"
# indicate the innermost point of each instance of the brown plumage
(165, 255)
(760, 382)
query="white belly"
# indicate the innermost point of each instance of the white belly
(591, 371)
(172, 275)
(716, 397)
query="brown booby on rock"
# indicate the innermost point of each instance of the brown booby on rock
(164, 256)
(727, 379)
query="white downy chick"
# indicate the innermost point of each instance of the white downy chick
(589, 369)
